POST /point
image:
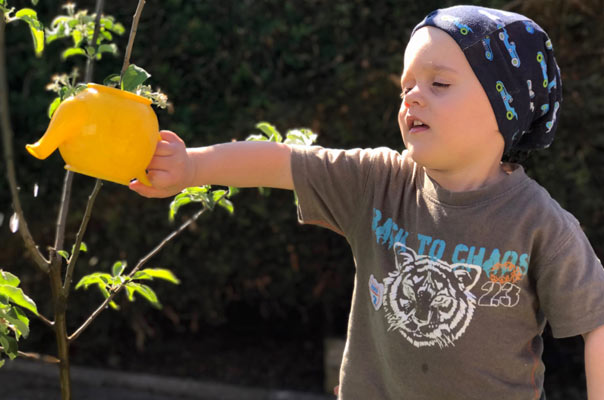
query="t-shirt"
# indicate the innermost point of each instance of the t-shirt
(452, 290)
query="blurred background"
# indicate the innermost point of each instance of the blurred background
(260, 294)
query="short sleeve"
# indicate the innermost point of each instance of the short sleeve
(570, 285)
(330, 185)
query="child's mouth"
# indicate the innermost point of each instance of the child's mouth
(417, 126)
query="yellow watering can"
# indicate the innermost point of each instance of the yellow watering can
(103, 132)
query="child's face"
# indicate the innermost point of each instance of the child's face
(440, 89)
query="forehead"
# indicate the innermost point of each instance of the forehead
(432, 48)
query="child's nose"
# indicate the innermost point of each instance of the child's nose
(413, 97)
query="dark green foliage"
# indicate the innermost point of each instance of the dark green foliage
(332, 66)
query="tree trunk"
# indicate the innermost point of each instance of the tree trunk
(60, 327)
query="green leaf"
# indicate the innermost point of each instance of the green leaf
(6, 278)
(270, 131)
(108, 48)
(37, 29)
(133, 77)
(77, 38)
(34, 2)
(83, 247)
(2, 363)
(9, 345)
(94, 278)
(73, 51)
(18, 323)
(16, 296)
(160, 273)
(53, 106)
(228, 205)
(176, 204)
(233, 191)
(112, 80)
(146, 292)
(63, 254)
(118, 268)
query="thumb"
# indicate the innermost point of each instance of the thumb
(170, 136)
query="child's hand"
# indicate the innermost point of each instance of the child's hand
(170, 170)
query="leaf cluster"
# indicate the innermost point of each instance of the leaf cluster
(30, 17)
(133, 80)
(14, 324)
(79, 26)
(302, 137)
(109, 283)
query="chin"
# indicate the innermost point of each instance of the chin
(420, 156)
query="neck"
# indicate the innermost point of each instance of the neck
(467, 180)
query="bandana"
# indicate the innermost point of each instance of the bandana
(513, 59)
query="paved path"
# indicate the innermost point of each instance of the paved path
(25, 380)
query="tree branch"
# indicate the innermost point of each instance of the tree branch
(46, 321)
(138, 266)
(37, 357)
(133, 29)
(80, 235)
(97, 26)
(7, 141)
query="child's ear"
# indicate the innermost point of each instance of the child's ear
(467, 274)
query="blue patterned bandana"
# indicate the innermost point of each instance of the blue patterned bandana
(514, 61)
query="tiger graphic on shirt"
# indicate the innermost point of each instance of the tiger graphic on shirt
(426, 300)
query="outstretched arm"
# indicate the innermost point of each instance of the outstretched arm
(241, 164)
(594, 363)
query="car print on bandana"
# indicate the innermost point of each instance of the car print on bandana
(463, 28)
(550, 124)
(529, 27)
(507, 99)
(428, 301)
(541, 60)
(488, 52)
(510, 46)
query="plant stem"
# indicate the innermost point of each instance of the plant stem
(7, 142)
(138, 266)
(133, 29)
(97, 26)
(60, 327)
(37, 357)
(76, 251)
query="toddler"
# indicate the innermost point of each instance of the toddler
(461, 259)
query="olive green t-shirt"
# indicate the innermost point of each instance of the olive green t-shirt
(452, 289)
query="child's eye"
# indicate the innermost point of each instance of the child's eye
(441, 85)
(404, 92)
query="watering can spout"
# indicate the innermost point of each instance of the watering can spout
(66, 121)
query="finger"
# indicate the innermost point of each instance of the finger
(144, 190)
(160, 163)
(164, 148)
(170, 136)
(160, 179)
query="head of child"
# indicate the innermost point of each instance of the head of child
(478, 83)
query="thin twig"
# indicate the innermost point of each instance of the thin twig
(80, 235)
(133, 29)
(138, 266)
(7, 141)
(95, 35)
(38, 357)
(46, 321)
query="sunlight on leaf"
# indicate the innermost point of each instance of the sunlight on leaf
(158, 273)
